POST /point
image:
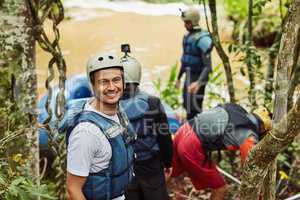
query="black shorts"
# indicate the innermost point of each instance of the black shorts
(149, 182)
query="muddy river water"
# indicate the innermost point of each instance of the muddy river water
(155, 41)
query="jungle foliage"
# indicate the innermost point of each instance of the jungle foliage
(260, 52)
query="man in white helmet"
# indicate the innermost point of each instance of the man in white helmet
(195, 62)
(153, 147)
(99, 153)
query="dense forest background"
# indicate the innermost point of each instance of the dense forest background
(263, 49)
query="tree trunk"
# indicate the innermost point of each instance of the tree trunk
(264, 153)
(29, 79)
(273, 51)
(269, 79)
(220, 50)
(269, 185)
(287, 58)
(251, 92)
(19, 48)
(293, 83)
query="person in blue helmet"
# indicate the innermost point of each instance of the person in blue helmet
(153, 147)
(99, 153)
(195, 62)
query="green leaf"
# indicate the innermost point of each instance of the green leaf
(35, 191)
(2, 181)
(12, 189)
(18, 181)
(23, 194)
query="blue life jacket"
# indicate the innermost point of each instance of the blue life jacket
(195, 45)
(112, 181)
(146, 146)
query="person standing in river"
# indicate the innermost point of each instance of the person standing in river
(195, 62)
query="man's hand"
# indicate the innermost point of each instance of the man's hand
(177, 84)
(194, 87)
(168, 172)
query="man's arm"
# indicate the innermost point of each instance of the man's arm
(203, 78)
(177, 82)
(74, 187)
(205, 48)
(181, 71)
(85, 143)
(205, 44)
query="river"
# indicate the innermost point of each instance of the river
(154, 32)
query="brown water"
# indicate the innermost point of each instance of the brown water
(155, 41)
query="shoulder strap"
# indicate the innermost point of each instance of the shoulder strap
(136, 106)
(92, 117)
(153, 106)
(238, 116)
(203, 34)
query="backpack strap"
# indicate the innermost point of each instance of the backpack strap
(153, 106)
(205, 146)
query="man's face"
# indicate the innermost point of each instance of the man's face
(188, 25)
(108, 85)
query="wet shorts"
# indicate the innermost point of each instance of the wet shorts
(188, 156)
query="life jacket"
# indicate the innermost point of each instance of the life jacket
(112, 181)
(216, 127)
(195, 45)
(146, 146)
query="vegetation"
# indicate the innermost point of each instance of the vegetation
(20, 176)
(215, 88)
(267, 19)
(16, 183)
(168, 92)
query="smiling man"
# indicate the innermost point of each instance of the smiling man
(99, 160)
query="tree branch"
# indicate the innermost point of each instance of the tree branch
(249, 42)
(288, 126)
(287, 58)
(294, 81)
(255, 169)
(220, 50)
(272, 55)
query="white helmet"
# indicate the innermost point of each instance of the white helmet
(132, 69)
(102, 61)
(191, 14)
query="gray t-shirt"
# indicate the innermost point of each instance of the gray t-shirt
(210, 125)
(89, 150)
